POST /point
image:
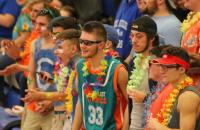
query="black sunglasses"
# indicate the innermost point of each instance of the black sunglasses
(88, 42)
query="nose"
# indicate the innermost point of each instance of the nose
(82, 45)
(133, 38)
(37, 27)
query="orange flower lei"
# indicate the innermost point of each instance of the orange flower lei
(92, 92)
(165, 113)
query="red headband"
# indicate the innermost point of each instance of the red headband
(170, 59)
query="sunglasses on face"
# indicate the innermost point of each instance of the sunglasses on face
(88, 42)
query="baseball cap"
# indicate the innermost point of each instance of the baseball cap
(112, 34)
(171, 60)
(145, 24)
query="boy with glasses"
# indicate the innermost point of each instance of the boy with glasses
(102, 101)
(177, 104)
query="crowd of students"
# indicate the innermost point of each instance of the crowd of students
(141, 73)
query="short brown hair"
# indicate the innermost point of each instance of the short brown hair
(70, 34)
(71, 10)
(96, 28)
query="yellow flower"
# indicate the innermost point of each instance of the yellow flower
(192, 18)
(25, 27)
(169, 102)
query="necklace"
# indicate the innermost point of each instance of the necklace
(192, 18)
(92, 91)
(138, 73)
(68, 93)
(165, 113)
(63, 79)
(61, 72)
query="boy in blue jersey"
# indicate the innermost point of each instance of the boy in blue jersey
(39, 114)
(67, 53)
(102, 101)
(65, 96)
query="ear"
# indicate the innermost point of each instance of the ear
(182, 70)
(108, 45)
(74, 49)
(102, 45)
(151, 43)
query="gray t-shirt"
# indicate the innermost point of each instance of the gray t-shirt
(168, 29)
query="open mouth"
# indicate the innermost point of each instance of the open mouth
(84, 51)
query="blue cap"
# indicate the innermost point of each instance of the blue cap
(112, 34)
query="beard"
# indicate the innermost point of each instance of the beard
(92, 54)
(149, 11)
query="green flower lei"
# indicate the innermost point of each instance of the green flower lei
(60, 78)
(138, 73)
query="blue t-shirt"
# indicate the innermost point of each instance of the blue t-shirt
(44, 59)
(9, 7)
(125, 16)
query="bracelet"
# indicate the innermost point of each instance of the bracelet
(49, 95)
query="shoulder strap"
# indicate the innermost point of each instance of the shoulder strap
(174, 111)
(38, 44)
(190, 88)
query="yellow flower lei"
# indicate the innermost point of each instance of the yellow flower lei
(68, 93)
(165, 112)
(192, 18)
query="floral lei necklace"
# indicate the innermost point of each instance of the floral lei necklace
(165, 113)
(112, 53)
(92, 92)
(68, 92)
(64, 82)
(192, 18)
(138, 73)
(60, 74)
